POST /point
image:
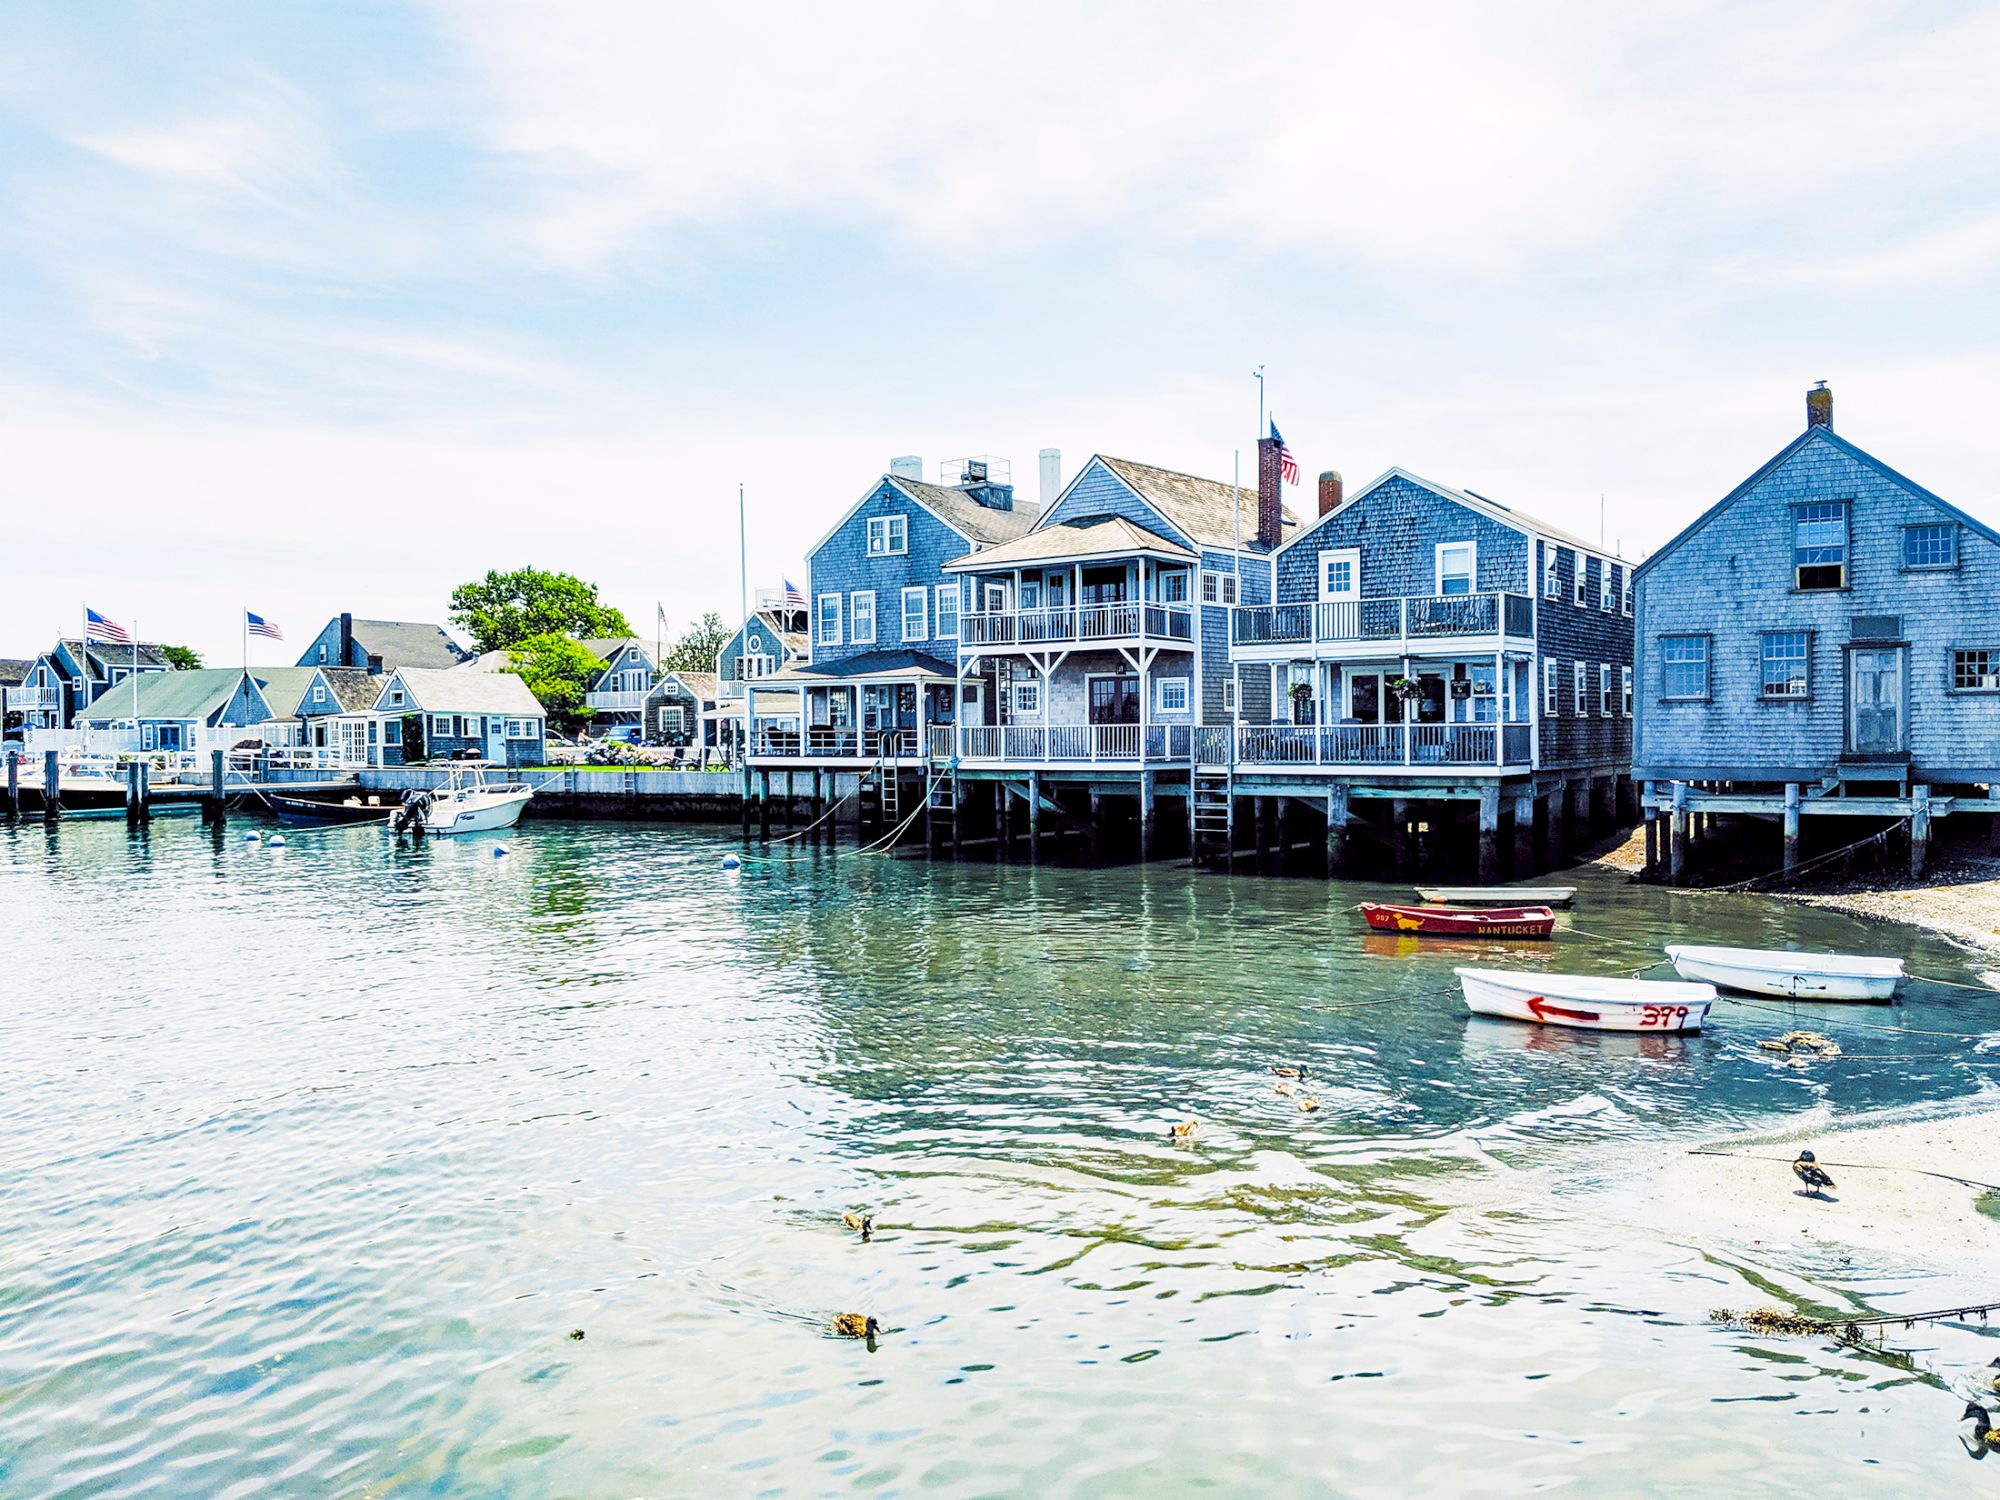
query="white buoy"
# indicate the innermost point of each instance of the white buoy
(276, 841)
(731, 862)
(252, 836)
(499, 851)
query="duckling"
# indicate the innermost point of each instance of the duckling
(855, 1326)
(1286, 1087)
(1187, 1130)
(1308, 1104)
(576, 1334)
(1808, 1171)
(863, 1222)
(1291, 1070)
(1993, 1374)
(1975, 1430)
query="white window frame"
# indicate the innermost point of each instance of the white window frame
(1581, 592)
(517, 729)
(921, 596)
(1606, 600)
(1229, 694)
(319, 692)
(888, 536)
(1707, 661)
(1032, 693)
(996, 599)
(1625, 684)
(1328, 561)
(1625, 606)
(947, 605)
(1471, 549)
(1552, 583)
(1160, 687)
(1604, 691)
(1580, 673)
(750, 665)
(442, 728)
(854, 635)
(822, 634)
(1551, 688)
(1169, 579)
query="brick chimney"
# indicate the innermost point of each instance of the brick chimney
(1819, 406)
(1330, 491)
(346, 638)
(1269, 493)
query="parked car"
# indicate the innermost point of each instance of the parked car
(624, 734)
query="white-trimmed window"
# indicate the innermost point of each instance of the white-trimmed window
(1684, 666)
(1582, 592)
(947, 611)
(1930, 544)
(392, 731)
(517, 729)
(1457, 564)
(1551, 692)
(1606, 599)
(829, 619)
(1170, 695)
(1173, 586)
(916, 613)
(888, 536)
(1027, 699)
(322, 653)
(441, 728)
(754, 664)
(1786, 657)
(1604, 691)
(1340, 574)
(1975, 670)
(1552, 584)
(1218, 588)
(1627, 592)
(1580, 685)
(319, 692)
(1625, 681)
(861, 617)
(1229, 694)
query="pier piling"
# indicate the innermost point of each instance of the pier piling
(1489, 834)
(1524, 831)
(51, 787)
(13, 783)
(1791, 826)
(1336, 831)
(1920, 829)
(215, 787)
(1677, 836)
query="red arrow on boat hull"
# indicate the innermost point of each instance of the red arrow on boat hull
(1542, 1010)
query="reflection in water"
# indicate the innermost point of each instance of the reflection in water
(320, 1152)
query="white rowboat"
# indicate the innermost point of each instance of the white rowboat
(1586, 1001)
(1499, 895)
(1790, 976)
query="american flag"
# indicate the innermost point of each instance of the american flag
(794, 597)
(661, 610)
(261, 626)
(1288, 467)
(98, 627)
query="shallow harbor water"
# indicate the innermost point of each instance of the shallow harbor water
(318, 1153)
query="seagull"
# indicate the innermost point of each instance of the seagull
(1807, 1170)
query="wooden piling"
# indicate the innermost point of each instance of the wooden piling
(1677, 836)
(13, 783)
(1096, 825)
(764, 805)
(1489, 833)
(217, 784)
(1792, 798)
(1920, 829)
(1524, 830)
(51, 787)
(1146, 829)
(1336, 830)
(1034, 816)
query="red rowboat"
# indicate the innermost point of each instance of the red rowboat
(1461, 921)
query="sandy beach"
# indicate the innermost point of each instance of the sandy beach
(1958, 899)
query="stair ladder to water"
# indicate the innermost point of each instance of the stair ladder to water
(1214, 814)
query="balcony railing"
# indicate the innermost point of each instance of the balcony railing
(825, 742)
(1472, 745)
(30, 700)
(1075, 744)
(1410, 617)
(620, 701)
(1134, 620)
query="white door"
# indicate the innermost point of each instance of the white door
(496, 739)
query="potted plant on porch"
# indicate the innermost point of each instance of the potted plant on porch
(1406, 690)
(1302, 702)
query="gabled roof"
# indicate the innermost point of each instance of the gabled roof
(173, 696)
(980, 525)
(1204, 510)
(700, 686)
(353, 688)
(446, 692)
(407, 643)
(607, 647)
(151, 655)
(890, 664)
(1517, 520)
(1859, 455)
(284, 688)
(15, 669)
(1099, 536)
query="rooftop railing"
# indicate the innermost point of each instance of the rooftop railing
(1133, 620)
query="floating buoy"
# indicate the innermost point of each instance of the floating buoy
(731, 862)
(499, 851)
(252, 836)
(276, 841)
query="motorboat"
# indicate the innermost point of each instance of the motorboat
(84, 782)
(1586, 1001)
(1499, 895)
(1790, 975)
(1460, 921)
(467, 803)
(313, 812)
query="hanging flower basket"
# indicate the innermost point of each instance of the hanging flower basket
(1406, 689)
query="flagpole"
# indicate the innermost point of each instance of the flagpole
(743, 612)
(1259, 373)
(1236, 564)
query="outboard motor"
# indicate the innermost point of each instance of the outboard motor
(410, 817)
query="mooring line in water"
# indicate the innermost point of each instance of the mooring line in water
(1850, 1166)
(1952, 984)
(1791, 1009)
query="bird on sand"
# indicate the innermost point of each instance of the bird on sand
(1807, 1170)
(855, 1326)
(1187, 1130)
(1975, 1430)
(863, 1222)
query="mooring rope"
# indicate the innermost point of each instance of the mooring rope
(1796, 870)
(1791, 1009)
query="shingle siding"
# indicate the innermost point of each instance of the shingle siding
(1569, 633)
(1099, 492)
(1731, 578)
(842, 566)
(1398, 526)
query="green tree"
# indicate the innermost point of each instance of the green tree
(557, 671)
(182, 658)
(504, 609)
(695, 650)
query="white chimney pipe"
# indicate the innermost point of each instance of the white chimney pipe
(907, 467)
(1051, 476)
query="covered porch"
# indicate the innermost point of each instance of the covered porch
(880, 705)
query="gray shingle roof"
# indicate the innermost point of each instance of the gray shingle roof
(447, 692)
(354, 688)
(150, 653)
(179, 697)
(1103, 537)
(982, 523)
(1205, 509)
(15, 669)
(284, 688)
(408, 643)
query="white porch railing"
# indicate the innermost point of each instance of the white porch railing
(824, 742)
(1075, 744)
(1133, 620)
(1412, 617)
(1471, 745)
(33, 700)
(618, 701)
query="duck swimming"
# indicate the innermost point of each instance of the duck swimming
(1290, 1070)
(855, 1326)
(863, 1222)
(1993, 1374)
(1187, 1130)
(1308, 1104)
(1807, 1170)
(1975, 1429)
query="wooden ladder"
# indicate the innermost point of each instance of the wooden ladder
(889, 791)
(1214, 815)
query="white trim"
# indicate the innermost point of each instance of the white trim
(1551, 688)
(945, 591)
(1034, 689)
(1580, 585)
(1550, 584)
(1160, 704)
(854, 636)
(1580, 682)
(1437, 565)
(839, 615)
(887, 522)
(1604, 705)
(923, 632)
(1327, 558)
(1625, 686)
(874, 490)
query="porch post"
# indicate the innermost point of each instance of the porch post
(1792, 798)
(1489, 833)
(1677, 835)
(1336, 830)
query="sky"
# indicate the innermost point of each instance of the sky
(309, 308)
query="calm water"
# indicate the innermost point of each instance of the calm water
(315, 1155)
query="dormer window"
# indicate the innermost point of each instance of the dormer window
(888, 536)
(1819, 545)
